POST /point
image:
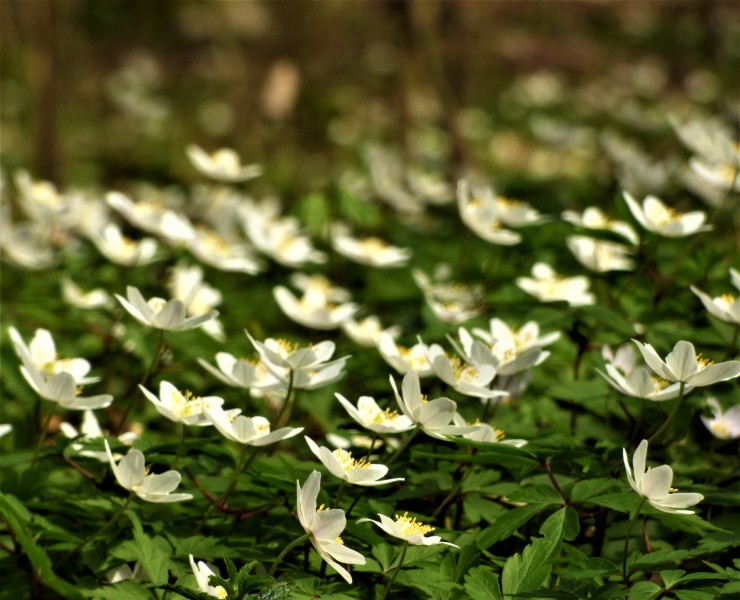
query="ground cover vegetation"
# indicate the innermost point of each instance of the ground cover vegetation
(369, 300)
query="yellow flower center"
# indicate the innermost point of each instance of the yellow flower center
(659, 383)
(226, 159)
(702, 363)
(347, 462)
(410, 526)
(157, 304)
(720, 429)
(372, 245)
(381, 417)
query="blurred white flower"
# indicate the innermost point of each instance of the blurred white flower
(132, 474)
(324, 527)
(217, 252)
(507, 352)
(187, 285)
(313, 310)
(724, 307)
(721, 176)
(483, 432)
(252, 431)
(724, 425)
(548, 286)
(243, 373)
(203, 574)
(594, 218)
(5, 429)
(481, 213)
(655, 216)
(450, 302)
(372, 417)
(366, 332)
(318, 283)
(468, 379)
(655, 484)
(371, 251)
(121, 250)
(222, 165)
(161, 314)
(90, 430)
(41, 354)
(683, 364)
(184, 408)
(357, 472)
(153, 218)
(73, 294)
(409, 530)
(599, 255)
(404, 359)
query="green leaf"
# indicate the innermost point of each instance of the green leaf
(672, 577)
(644, 590)
(621, 501)
(9, 508)
(590, 488)
(695, 594)
(152, 553)
(482, 584)
(561, 524)
(124, 590)
(507, 524)
(527, 571)
(188, 593)
(536, 494)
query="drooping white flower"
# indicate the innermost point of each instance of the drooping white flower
(404, 359)
(119, 249)
(548, 286)
(372, 417)
(725, 307)
(203, 574)
(222, 165)
(131, 474)
(683, 364)
(184, 408)
(325, 527)
(161, 314)
(313, 309)
(655, 216)
(341, 464)
(599, 255)
(724, 425)
(485, 433)
(371, 251)
(409, 530)
(655, 484)
(594, 218)
(252, 431)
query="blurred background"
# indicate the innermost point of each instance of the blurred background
(101, 92)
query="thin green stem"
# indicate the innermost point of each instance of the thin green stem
(100, 531)
(388, 587)
(340, 492)
(625, 575)
(285, 551)
(240, 465)
(638, 422)
(287, 409)
(180, 446)
(42, 437)
(147, 375)
(670, 418)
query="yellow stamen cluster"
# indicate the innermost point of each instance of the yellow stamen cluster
(410, 526)
(347, 462)
(373, 244)
(720, 430)
(659, 383)
(702, 363)
(383, 416)
(226, 158)
(285, 347)
(508, 202)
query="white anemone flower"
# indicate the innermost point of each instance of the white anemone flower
(468, 379)
(368, 414)
(480, 213)
(485, 433)
(503, 353)
(593, 218)
(5, 429)
(90, 430)
(655, 484)
(684, 365)
(599, 255)
(216, 251)
(721, 176)
(63, 389)
(324, 527)
(203, 574)
(450, 302)
(404, 359)
(184, 408)
(409, 530)
(433, 417)
(222, 165)
(656, 217)
(317, 282)
(370, 251)
(119, 249)
(341, 464)
(724, 425)
(725, 307)
(366, 332)
(73, 294)
(132, 474)
(524, 338)
(153, 218)
(242, 373)
(251, 431)
(161, 314)
(546, 285)
(313, 310)
(186, 284)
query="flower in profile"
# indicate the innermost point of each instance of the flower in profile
(90, 430)
(119, 249)
(216, 251)
(685, 366)
(433, 417)
(721, 176)
(404, 359)
(161, 314)
(184, 408)
(132, 474)
(485, 433)
(371, 251)
(450, 302)
(507, 353)
(324, 527)
(599, 255)
(252, 431)
(153, 217)
(725, 307)
(479, 211)
(63, 389)
(656, 217)
(203, 574)
(409, 530)
(341, 464)
(187, 285)
(548, 286)
(466, 378)
(366, 332)
(242, 373)
(594, 218)
(655, 484)
(222, 165)
(313, 309)
(724, 425)
(73, 294)
(372, 417)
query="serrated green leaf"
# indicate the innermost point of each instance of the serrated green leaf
(589, 488)
(507, 524)
(482, 584)
(527, 571)
(645, 590)
(672, 577)
(536, 494)
(562, 524)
